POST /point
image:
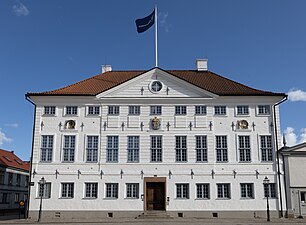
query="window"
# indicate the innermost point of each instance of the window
(200, 110)
(92, 148)
(244, 149)
(26, 181)
(266, 148)
(18, 179)
(67, 190)
(69, 148)
(112, 148)
(263, 110)
(44, 190)
(49, 110)
(242, 110)
(181, 148)
(112, 190)
(180, 110)
(134, 110)
(91, 190)
(182, 191)
(247, 190)
(221, 148)
(113, 110)
(132, 190)
(270, 190)
(1, 177)
(17, 195)
(3, 197)
(93, 110)
(10, 178)
(223, 191)
(46, 148)
(220, 110)
(201, 148)
(155, 110)
(203, 191)
(133, 148)
(156, 86)
(156, 148)
(71, 110)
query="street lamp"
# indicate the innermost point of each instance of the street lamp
(42, 183)
(266, 182)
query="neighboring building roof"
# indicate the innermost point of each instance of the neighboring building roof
(299, 149)
(206, 80)
(9, 159)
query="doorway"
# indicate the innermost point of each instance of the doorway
(155, 197)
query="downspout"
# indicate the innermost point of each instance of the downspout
(30, 176)
(285, 183)
(277, 152)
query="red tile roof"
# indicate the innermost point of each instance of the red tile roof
(9, 159)
(206, 80)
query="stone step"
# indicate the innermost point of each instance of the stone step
(155, 214)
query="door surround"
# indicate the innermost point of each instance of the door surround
(153, 180)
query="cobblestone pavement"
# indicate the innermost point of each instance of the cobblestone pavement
(175, 221)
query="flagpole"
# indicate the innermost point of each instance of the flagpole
(156, 53)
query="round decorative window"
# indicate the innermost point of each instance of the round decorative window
(156, 86)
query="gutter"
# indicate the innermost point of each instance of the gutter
(30, 175)
(278, 166)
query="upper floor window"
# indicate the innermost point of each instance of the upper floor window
(112, 148)
(92, 148)
(133, 148)
(10, 178)
(201, 148)
(180, 110)
(134, 110)
(113, 110)
(181, 148)
(244, 149)
(200, 110)
(263, 110)
(71, 110)
(93, 110)
(266, 148)
(156, 148)
(220, 110)
(1, 177)
(182, 191)
(69, 148)
(155, 110)
(242, 110)
(46, 148)
(18, 179)
(221, 148)
(49, 110)
(246, 190)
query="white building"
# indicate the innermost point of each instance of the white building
(190, 142)
(294, 159)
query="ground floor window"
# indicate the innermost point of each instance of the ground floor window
(67, 190)
(91, 190)
(182, 191)
(112, 190)
(246, 190)
(223, 191)
(270, 190)
(202, 191)
(132, 190)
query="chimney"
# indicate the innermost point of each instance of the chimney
(202, 64)
(106, 68)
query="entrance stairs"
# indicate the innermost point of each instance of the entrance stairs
(155, 214)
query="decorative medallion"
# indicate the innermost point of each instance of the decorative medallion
(155, 86)
(243, 124)
(70, 124)
(155, 123)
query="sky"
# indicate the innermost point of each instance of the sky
(45, 45)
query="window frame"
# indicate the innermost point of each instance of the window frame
(272, 191)
(224, 194)
(92, 148)
(114, 190)
(266, 148)
(71, 110)
(182, 191)
(221, 149)
(200, 110)
(67, 190)
(180, 110)
(156, 110)
(133, 149)
(244, 148)
(70, 149)
(242, 110)
(91, 190)
(265, 108)
(134, 110)
(156, 148)
(203, 191)
(46, 192)
(247, 191)
(49, 110)
(93, 110)
(112, 149)
(220, 110)
(113, 110)
(46, 149)
(132, 190)
(181, 149)
(201, 148)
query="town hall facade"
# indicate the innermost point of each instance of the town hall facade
(186, 142)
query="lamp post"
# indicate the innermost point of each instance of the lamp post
(42, 183)
(266, 182)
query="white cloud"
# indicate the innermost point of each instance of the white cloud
(20, 9)
(292, 138)
(295, 95)
(13, 125)
(4, 138)
(162, 20)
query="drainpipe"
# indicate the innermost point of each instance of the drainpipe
(31, 160)
(285, 182)
(277, 152)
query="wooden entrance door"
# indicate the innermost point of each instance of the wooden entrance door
(155, 196)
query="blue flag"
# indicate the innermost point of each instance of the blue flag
(145, 23)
